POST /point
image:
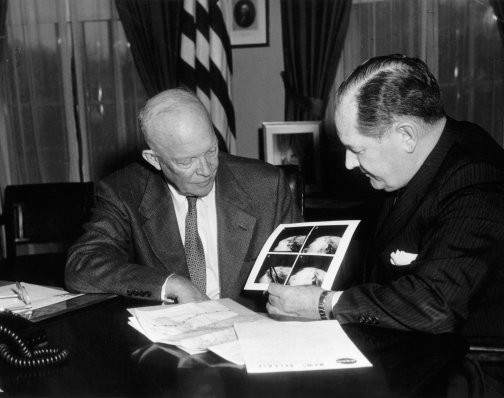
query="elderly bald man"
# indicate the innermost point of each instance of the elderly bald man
(134, 244)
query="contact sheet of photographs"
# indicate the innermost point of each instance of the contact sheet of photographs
(302, 254)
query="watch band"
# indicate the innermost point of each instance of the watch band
(324, 305)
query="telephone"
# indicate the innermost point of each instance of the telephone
(23, 343)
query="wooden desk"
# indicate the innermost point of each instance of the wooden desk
(110, 358)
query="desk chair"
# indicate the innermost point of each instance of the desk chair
(296, 183)
(48, 218)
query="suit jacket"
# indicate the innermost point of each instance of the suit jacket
(452, 215)
(132, 243)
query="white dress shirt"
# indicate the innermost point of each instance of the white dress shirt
(207, 229)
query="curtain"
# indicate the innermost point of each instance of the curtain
(3, 15)
(313, 33)
(460, 42)
(4, 165)
(70, 93)
(152, 28)
(498, 8)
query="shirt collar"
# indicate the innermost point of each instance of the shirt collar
(181, 199)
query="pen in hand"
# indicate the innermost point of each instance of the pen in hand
(273, 275)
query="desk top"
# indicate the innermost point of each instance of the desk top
(110, 358)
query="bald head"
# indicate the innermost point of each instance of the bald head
(183, 145)
(163, 114)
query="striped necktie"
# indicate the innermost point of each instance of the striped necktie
(195, 255)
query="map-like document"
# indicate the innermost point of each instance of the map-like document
(193, 327)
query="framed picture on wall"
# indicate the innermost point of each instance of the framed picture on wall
(249, 23)
(296, 143)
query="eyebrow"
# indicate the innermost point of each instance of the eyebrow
(215, 146)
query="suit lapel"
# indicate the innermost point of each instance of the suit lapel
(235, 227)
(400, 214)
(160, 227)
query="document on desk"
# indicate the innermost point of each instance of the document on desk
(193, 327)
(297, 346)
(39, 297)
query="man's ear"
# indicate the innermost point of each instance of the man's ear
(408, 135)
(151, 158)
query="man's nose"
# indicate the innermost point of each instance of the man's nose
(204, 166)
(351, 161)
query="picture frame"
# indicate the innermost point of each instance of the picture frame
(249, 25)
(296, 143)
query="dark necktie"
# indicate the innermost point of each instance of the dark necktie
(195, 254)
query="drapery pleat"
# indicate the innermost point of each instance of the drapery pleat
(3, 16)
(3, 167)
(152, 28)
(498, 7)
(313, 34)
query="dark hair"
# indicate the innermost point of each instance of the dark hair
(392, 85)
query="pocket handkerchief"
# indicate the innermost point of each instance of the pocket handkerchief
(402, 258)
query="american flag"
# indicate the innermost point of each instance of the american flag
(206, 64)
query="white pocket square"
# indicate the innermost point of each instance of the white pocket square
(402, 258)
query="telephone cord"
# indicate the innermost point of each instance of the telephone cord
(27, 358)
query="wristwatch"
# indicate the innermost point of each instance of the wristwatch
(325, 305)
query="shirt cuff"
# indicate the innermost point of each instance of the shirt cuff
(335, 298)
(163, 290)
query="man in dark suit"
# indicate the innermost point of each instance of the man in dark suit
(134, 243)
(436, 263)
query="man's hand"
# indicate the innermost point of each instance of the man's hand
(183, 290)
(301, 301)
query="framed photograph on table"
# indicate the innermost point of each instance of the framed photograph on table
(248, 23)
(296, 143)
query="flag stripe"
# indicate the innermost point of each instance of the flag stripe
(206, 64)
(221, 31)
(220, 88)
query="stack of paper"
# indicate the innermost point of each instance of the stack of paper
(38, 297)
(246, 338)
(194, 327)
(298, 346)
